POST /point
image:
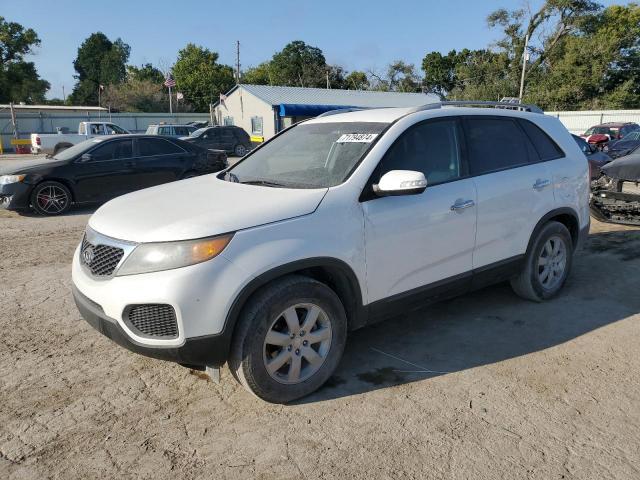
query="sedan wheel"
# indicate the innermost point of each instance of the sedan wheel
(51, 198)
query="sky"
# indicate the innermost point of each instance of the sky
(356, 34)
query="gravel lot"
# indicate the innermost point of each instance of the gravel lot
(484, 386)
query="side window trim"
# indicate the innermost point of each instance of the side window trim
(367, 192)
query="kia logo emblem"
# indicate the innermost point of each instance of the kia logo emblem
(88, 255)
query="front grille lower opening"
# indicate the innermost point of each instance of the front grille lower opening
(152, 320)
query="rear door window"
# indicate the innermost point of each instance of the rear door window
(547, 149)
(495, 144)
(115, 150)
(150, 147)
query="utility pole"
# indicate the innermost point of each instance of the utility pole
(525, 59)
(327, 79)
(64, 97)
(237, 62)
(13, 120)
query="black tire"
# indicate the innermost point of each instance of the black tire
(528, 283)
(249, 350)
(58, 201)
(240, 150)
(60, 147)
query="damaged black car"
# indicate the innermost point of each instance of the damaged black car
(615, 195)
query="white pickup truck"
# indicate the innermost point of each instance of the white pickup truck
(56, 142)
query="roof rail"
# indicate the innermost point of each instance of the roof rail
(341, 110)
(479, 103)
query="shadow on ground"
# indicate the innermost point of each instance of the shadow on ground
(492, 324)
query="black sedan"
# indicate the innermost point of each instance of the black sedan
(102, 168)
(628, 144)
(233, 140)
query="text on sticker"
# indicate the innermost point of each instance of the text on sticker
(357, 137)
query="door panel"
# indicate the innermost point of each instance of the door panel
(415, 240)
(108, 174)
(159, 161)
(509, 207)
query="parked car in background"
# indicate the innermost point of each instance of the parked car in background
(601, 135)
(338, 222)
(595, 157)
(102, 168)
(170, 130)
(616, 194)
(200, 124)
(626, 145)
(53, 143)
(233, 140)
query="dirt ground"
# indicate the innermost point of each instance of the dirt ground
(481, 387)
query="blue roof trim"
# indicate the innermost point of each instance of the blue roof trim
(302, 110)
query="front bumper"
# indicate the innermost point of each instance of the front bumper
(209, 350)
(15, 196)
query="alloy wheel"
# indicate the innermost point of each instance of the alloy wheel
(52, 199)
(552, 262)
(297, 343)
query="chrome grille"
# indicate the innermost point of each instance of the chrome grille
(152, 320)
(101, 260)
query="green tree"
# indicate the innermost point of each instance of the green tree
(137, 95)
(399, 77)
(200, 77)
(99, 62)
(299, 65)
(356, 81)
(19, 80)
(258, 75)
(145, 72)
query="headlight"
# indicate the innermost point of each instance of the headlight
(7, 179)
(153, 257)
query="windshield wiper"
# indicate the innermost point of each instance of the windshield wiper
(265, 183)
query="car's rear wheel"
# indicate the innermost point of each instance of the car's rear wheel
(547, 264)
(240, 150)
(51, 198)
(289, 339)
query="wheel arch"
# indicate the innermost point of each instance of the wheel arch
(63, 181)
(566, 216)
(334, 273)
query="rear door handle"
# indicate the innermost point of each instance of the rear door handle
(540, 184)
(462, 204)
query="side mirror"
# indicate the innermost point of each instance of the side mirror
(401, 182)
(87, 157)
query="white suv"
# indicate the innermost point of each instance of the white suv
(333, 224)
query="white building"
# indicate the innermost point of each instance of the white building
(263, 110)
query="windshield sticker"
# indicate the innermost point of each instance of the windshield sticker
(357, 138)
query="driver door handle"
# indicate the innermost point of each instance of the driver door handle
(461, 205)
(540, 184)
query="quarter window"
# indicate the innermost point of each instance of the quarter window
(151, 146)
(495, 144)
(546, 148)
(432, 148)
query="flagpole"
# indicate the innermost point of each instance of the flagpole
(170, 104)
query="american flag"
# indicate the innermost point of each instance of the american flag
(169, 81)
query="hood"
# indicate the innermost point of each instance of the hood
(199, 207)
(597, 138)
(29, 166)
(624, 168)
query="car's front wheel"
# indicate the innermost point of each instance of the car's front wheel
(50, 198)
(289, 339)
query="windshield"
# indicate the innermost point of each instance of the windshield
(632, 136)
(77, 149)
(199, 132)
(310, 155)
